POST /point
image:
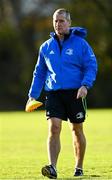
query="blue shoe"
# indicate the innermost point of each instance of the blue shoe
(49, 172)
(78, 172)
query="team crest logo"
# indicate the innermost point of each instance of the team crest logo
(69, 52)
(79, 115)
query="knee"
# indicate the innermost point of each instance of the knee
(55, 130)
(78, 135)
(77, 131)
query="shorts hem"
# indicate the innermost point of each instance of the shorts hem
(63, 119)
(77, 122)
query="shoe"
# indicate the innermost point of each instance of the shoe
(49, 172)
(78, 172)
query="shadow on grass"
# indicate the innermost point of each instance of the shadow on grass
(82, 178)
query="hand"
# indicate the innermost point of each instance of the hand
(82, 92)
(30, 99)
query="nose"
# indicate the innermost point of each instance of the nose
(57, 23)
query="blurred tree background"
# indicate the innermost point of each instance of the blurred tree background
(25, 24)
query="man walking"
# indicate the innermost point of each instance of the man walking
(66, 68)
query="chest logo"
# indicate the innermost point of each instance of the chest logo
(69, 52)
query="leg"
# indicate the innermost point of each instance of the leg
(79, 142)
(53, 142)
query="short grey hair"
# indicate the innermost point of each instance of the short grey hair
(63, 11)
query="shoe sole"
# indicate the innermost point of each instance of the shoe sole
(78, 175)
(45, 172)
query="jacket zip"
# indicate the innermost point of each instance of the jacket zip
(60, 48)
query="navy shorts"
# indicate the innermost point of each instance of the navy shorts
(63, 104)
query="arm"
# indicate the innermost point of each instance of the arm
(89, 70)
(39, 76)
(89, 66)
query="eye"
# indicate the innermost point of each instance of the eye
(61, 21)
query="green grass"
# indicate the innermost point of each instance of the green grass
(23, 146)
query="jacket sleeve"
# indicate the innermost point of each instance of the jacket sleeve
(39, 76)
(89, 65)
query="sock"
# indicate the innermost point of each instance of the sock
(78, 168)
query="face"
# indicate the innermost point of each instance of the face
(61, 24)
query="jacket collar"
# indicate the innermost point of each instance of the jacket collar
(79, 31)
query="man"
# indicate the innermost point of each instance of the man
(66, 68)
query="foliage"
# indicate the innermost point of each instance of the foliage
(24, 26)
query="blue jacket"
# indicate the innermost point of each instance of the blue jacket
(65, 65)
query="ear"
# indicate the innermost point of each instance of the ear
(70, 23)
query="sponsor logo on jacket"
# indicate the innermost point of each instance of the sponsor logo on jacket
(69, 52)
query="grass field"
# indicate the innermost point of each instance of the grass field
(23, 146)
